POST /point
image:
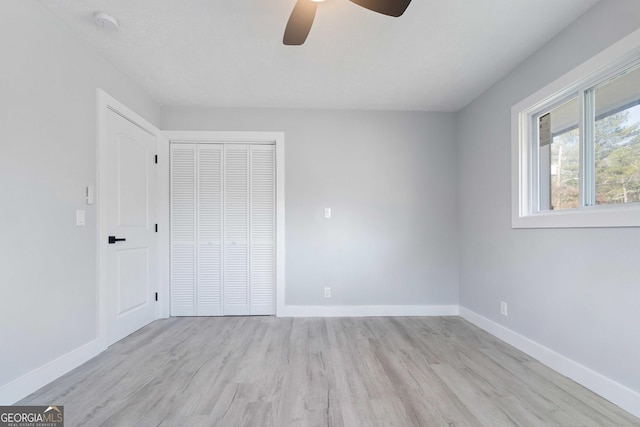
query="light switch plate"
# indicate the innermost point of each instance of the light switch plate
(90, 195)
(327, 213)
(80, 217)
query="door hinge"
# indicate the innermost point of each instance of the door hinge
(156, 296)
(156, 228)
(156, 159)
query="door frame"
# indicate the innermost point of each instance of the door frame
(164, 208)
(108, 103)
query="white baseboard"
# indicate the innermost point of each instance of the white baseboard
(21, 387)
(624, 397)
(367, 310)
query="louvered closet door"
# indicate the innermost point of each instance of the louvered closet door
(183, 230)
(209, 230)
(262, 252)
(222, 229)
(196, 230)
(236, 229)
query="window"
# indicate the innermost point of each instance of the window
(617, 139)
(559, 157)
(576, 146)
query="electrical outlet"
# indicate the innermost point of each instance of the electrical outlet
(327, 292)
(503, 308)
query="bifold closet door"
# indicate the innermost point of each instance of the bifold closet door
(209, 211)
(183, 230)
(222, 229)
(262, 231)
(236, 230)
(249, 230)
(196, 230)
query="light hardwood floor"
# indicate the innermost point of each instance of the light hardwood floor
(265, 371)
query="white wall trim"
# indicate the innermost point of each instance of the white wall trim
(21, 387)
(624, 397)
(163, 218)
(227, 137)
(367, 310)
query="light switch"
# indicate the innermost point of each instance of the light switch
(327, 213)
(80, 217)
(90, 195)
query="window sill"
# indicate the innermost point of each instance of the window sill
(599, 216)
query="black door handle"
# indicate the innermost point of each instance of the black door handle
(112, 240)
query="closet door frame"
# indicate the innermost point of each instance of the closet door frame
(164, 211)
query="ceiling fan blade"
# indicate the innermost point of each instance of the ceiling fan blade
(386, 7)
(300, 22)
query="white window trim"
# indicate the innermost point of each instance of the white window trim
(522, 215)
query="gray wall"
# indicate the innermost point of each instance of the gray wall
(389, 178)
(47, 157)
(575, 291)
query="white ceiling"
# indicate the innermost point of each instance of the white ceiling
(438, 56)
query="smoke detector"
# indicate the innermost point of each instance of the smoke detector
(104, 20)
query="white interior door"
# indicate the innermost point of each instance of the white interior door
(131, 262)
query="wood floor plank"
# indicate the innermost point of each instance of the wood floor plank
(342, 372)
(479, 398)
(427, 398)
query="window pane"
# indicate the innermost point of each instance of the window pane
(559, 157)
(617, 140)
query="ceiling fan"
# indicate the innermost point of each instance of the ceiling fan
(304, 12)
